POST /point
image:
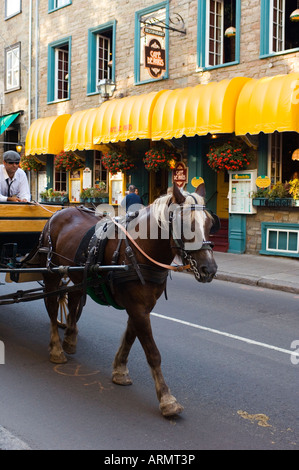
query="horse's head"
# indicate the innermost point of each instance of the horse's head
(191, 224)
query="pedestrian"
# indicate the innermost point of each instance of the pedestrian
(132, 199)
(14, 185)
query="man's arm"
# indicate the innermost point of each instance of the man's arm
(24, 191)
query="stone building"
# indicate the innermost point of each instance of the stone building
(202, 72)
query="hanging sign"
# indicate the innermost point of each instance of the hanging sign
(196, 181)
(180, 174)
(155, 58)
(263, 181)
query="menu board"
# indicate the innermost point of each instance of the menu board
(241, 187)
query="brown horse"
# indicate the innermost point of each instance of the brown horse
(137, 290)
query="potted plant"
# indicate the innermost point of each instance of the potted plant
(49, 195)
(276, 196)
(294, 190)
(117, 160)
(28, 163)
(160, 157)
(67, 161)
(232, 155)
(95, 194)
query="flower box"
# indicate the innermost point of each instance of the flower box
(277, 202)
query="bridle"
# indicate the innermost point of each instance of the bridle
(179, 244)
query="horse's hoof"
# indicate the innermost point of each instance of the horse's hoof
(69, 348)
(58, 359)
(121, 379)
(170, 407)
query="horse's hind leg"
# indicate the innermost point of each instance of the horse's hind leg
(70, 336)
(56, 352)
(120, 374)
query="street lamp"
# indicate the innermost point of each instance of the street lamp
(106, 87)
(19, 148)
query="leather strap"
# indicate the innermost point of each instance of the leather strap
(165, 266)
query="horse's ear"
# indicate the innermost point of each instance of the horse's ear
(177, 195)
(201, 190)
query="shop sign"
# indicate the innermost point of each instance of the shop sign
(155, 58)
(196, 181)
(263, 181)
(180, 174)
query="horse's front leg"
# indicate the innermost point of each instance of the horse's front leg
(120, 374)
(142, 326)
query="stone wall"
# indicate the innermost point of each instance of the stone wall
(265, 214)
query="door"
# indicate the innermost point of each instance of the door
(158, 184)
(222, 193)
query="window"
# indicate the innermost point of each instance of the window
(12, 67)
(104, 59)
(12, 7)
(60, 181)
(275, 157)
(281, 146)
(151, 43)
(56, 4)
(100, 173)
(59, 70)
(278, 32)
(215, 46)
(101, 53)
(280, 239)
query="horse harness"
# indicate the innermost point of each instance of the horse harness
(92, 248)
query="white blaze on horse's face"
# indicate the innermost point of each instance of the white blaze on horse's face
(188, 225)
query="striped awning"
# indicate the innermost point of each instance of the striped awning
(125, 119)
(269, 104)
(78, 131)
(197, 110)
(46, 135)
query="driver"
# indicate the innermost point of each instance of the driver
(13, 180)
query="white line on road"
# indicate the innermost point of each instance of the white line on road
(228, 335)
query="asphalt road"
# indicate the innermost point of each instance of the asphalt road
(227, 357)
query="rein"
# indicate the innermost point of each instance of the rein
(165, 266)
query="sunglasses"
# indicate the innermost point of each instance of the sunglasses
(13, 163)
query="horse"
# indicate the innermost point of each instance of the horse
(149, 259)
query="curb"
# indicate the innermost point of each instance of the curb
(258, 282)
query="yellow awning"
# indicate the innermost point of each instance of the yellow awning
(125, 119)
(46, 135)
(197, 110)
(78, 131)
(269, 104)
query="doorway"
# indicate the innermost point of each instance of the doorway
(158, 184)
(222, 193)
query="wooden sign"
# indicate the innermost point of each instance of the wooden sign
(180, 174)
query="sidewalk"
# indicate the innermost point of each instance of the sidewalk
(264, 271)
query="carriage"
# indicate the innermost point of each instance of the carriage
(123, 262)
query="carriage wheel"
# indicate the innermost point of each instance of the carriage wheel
(63, 308)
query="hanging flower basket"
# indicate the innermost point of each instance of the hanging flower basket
(117, 160)
(28, 163)
(67, 161)
(229, 156)
(158, 158)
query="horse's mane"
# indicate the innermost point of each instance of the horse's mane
(160, 207)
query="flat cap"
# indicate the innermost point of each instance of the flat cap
(11, 156)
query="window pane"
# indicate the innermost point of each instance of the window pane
(12, 7)
(272, 242)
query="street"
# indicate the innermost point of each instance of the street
(226, 356)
